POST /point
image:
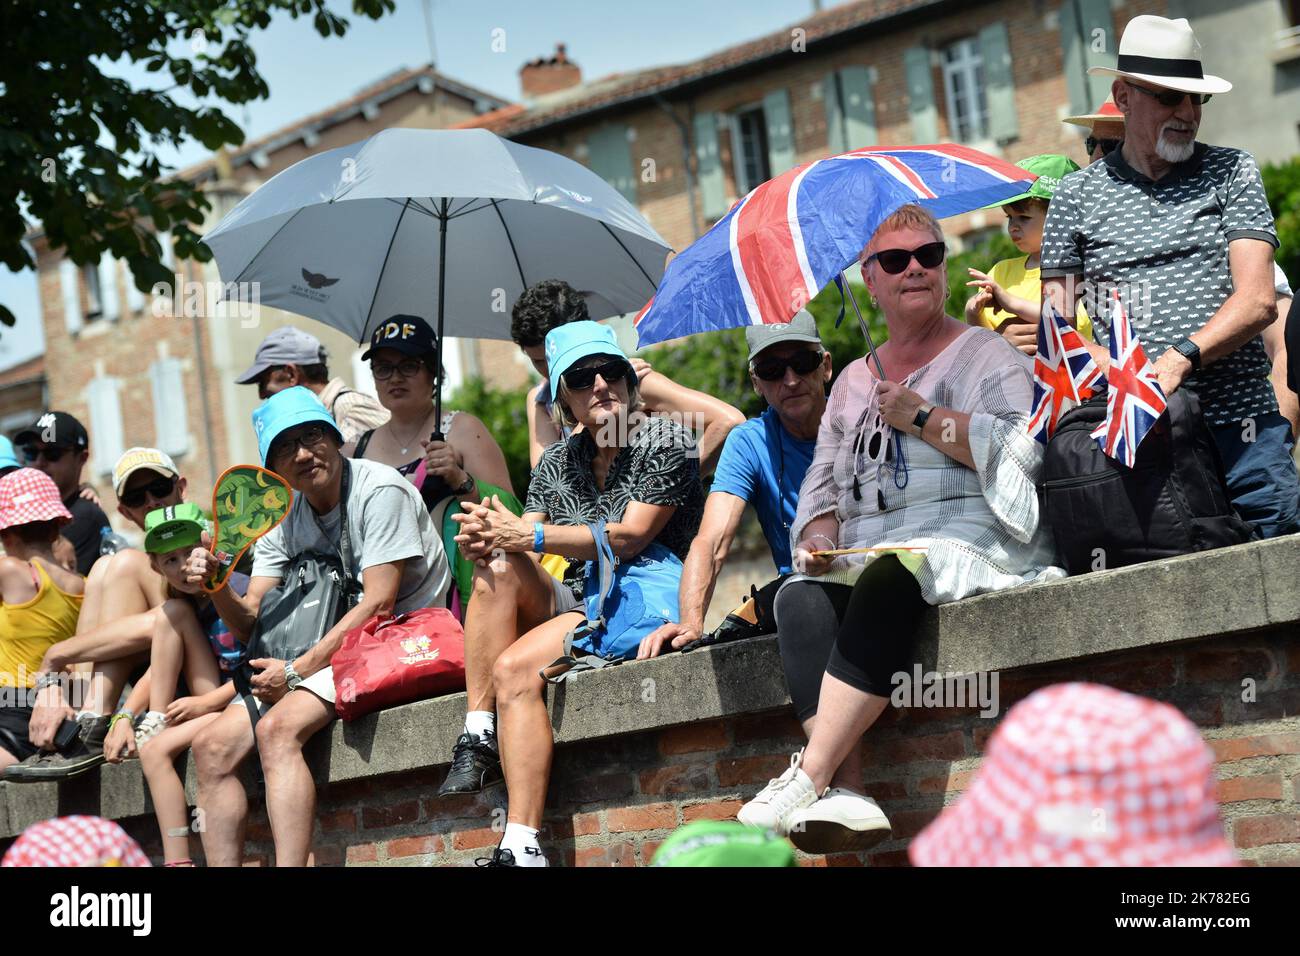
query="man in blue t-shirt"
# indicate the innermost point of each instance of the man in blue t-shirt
(762, 464)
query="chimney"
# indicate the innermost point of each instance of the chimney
(549, 74)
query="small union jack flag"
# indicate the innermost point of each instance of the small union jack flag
(1135, 401)
(1064, 373)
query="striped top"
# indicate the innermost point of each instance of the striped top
(980, 526)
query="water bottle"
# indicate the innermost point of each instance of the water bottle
(110, 542)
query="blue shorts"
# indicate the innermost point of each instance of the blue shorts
(1262, 479)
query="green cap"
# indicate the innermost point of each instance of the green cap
(1050, 168)
(180, 526)
(723, 843)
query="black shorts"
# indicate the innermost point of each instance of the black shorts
(14, 720)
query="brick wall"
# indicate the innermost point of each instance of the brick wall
(613, 801)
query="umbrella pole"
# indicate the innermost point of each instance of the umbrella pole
(442, 294)
(862, 324)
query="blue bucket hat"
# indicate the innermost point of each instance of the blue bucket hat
(7, 457)
(574, 342)
(284, 410)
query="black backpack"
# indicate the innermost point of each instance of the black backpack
(1173, 501)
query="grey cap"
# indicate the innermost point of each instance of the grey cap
(801, 328)
(284, 346)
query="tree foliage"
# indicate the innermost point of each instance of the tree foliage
(1282, 183)
(79, 148)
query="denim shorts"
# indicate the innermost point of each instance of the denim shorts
(1262, 479)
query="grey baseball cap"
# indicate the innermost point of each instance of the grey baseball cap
(284, 346)
(801, 328)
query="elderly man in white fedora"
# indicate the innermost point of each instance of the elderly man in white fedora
(1183, 231)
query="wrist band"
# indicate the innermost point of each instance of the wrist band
(539, 537)
(121, 715)
(48, 679)
(824, 538)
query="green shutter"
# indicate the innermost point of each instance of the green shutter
(1080, 20)
(920, 95)
(713, 188)
(999, 84)
(610, 159)
(850, 109)
(780, 131)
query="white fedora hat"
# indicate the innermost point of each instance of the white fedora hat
(1163, 53)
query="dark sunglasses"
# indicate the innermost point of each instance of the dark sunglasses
(51, 453)
(1107, 145)
(160, 488)
(895, 261)
(1172, 97)
(581, 379)
(287, 446)
(772, 369)
(407, 368)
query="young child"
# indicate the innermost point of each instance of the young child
(190, 639)
(41, 598)
(1007, 299)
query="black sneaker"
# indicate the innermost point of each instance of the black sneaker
(475, 766)
(85, 753)
(499, 857)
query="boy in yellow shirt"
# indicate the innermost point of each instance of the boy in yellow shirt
(1007, 297)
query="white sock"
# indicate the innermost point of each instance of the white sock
(86, 713)
(482, 723)
(522, 842)
(162, 718)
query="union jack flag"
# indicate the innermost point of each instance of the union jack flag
(1134, 401)
(779, 245)
(1055, 388)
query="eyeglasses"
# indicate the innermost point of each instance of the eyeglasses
(772, 369)
(407, 368)
(1171, 97)
(895, 261)
(286, 446)
(1107, 145)
(50, 453)
(581, 379)
(159, 488)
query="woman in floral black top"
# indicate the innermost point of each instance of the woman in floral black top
(641, 475)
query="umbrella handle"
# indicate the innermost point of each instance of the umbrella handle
(432, 487)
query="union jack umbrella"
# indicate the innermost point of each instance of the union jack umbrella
(1134, 401)
(779, 245)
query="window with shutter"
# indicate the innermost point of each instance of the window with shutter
(995, 50)
(780, 132)
(920, 95)
(610, 159)
(94, 301)
(171, 424)
(713, 189)
(964, 90)
(105, 423)
(1088, 38)
(70, 285)
(749, 150)
(109, 303)
(134, 297)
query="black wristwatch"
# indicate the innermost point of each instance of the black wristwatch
(922, 416)
(1191, 351)
(465, 487)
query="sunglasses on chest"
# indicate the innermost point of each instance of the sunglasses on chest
(581, 379)
(895, 261)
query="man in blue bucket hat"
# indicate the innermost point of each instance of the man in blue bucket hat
(398, 558)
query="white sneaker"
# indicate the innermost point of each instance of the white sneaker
(151, 725)
(840, 821)
(772, 807)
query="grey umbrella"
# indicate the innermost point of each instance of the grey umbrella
(456, 223)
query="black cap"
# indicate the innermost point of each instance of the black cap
(409, 334)
(55, 428)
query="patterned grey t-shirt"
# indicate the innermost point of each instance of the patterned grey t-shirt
(1164, 246)
(659, 466)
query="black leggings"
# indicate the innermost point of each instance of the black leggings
(862, 635)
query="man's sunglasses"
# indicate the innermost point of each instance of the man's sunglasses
(407, 368)
(286, 447)
(159, 488)
(772, 369)
(50, 453)
(1172, 97)
(895, 261)
(581, 379)
(1107, 145)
